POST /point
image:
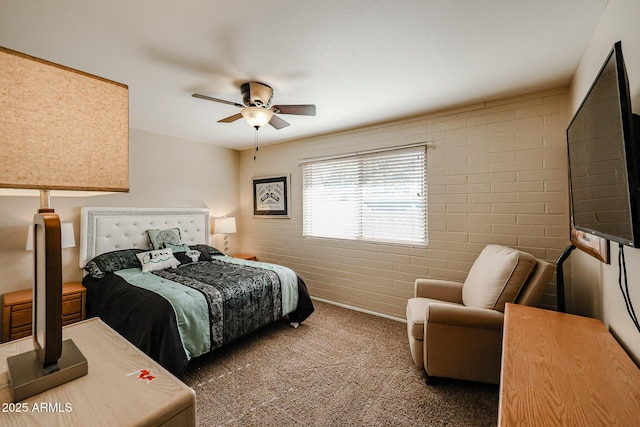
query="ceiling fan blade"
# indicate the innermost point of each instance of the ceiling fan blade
(278, 123)
(300, 110)
(230, 118)
(208, 98)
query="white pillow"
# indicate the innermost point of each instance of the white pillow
(157, 260)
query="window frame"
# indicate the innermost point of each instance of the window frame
(417, 236)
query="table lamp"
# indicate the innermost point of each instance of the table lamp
(225, 225)
(60, 130)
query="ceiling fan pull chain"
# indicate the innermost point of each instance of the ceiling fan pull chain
(255, 155)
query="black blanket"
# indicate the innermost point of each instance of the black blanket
(148, 320)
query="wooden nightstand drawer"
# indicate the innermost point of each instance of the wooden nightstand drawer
(21, 315)
(71, 318)
(17, 310)
(20, 332)
(71, 306)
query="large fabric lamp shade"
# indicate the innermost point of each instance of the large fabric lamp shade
(61, 129)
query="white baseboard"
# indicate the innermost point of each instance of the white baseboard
(362, 310)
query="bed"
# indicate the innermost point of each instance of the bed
(152, 275)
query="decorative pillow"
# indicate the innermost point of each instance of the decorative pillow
(158, 237)
(176, 248)
(206, 249)
(157, 260)
(113, 261)
(187, 257)
(194, 254)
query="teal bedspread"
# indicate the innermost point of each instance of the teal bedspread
(189, 305)
(218, 301)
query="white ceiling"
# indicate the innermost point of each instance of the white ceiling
(359, 61)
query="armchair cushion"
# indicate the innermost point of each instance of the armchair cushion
(496, 277)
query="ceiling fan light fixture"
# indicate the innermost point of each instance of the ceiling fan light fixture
(257, 109)
(256, 116)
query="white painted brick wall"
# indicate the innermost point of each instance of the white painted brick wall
(497, 173)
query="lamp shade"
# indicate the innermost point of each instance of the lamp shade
(256, 116)
(61, 129)
(225, 225)
(68, 236)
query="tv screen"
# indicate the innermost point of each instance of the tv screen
(603, 159)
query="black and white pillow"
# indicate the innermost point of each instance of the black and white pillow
(192, 253)
(158, 238)
(113, 261)
(157, 260)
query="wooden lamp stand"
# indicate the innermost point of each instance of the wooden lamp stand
(52, 362)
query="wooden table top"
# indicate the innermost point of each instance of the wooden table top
(564, 370)
(123, 386)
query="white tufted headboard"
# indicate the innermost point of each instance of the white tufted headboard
(109, 229)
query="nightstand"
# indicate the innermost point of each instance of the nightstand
(17, 314)
(245, 256)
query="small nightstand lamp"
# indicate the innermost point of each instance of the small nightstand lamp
(225, 225)
(66, 131)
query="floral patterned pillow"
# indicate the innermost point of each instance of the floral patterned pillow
(194, 253)
(158, 237)
(206, 249)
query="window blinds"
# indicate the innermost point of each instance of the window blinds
(379, 197)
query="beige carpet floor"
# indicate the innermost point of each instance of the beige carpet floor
(339, 368)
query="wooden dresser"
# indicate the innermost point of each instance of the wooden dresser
(564, 370)
(124, 387)
(17, 313)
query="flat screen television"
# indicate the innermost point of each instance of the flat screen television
(604, 172)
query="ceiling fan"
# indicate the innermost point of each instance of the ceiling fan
(257, 109)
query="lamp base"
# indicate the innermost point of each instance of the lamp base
(226, 244)
(27, 377)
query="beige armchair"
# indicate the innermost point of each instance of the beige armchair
(455, 329)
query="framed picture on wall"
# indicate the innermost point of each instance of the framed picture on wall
(593, 245)
(271, 196)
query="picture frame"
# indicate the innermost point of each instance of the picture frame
(595, 246)
(271, 196)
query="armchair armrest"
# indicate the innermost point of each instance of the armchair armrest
(470, 317)
(443, 290)
(462, 342)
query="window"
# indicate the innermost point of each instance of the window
(378, 197)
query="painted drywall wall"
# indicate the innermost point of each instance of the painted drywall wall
(164, 171)
(593, 288)
(497, 173)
